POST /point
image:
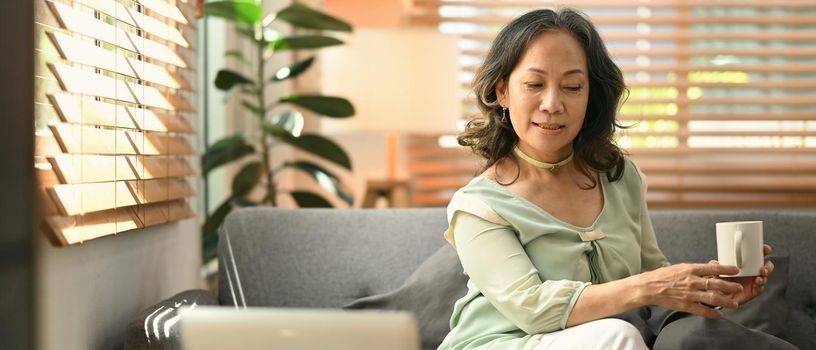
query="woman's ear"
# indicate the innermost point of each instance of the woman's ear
(501, 92)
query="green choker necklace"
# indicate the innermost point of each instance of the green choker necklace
(552, 167)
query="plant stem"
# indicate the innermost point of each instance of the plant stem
(267, 168)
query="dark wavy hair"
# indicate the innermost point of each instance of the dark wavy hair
(490, 137)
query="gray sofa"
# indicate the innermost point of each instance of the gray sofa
(327, 258)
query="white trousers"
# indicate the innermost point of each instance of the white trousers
(606, 334)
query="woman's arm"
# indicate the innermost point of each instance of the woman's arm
(497, 264)
(680, 287)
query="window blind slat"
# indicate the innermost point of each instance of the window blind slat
(620, 4)
(111, 8)
(690, 52)
(770, 35)
(78, 110)
(159, 190)
(72, 168)
(680, 19)
(158, 120)
(75, 109)
(78, 81)
(152, 167)
(80, 228)
(686, 68)
(160, 213)
(158, 29)
(718, 117)
(73, 199)
(78, 139)
(165, 9)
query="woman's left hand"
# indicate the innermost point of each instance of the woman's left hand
(752, 286)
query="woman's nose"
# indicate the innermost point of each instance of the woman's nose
(551, 102)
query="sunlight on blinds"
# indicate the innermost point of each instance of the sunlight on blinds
(721, 103)
(115, 122)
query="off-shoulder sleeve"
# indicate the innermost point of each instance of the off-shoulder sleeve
(498, 265)
(650, 255)
(463, 202)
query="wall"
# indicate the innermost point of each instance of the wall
(396, 90)
(86, 294)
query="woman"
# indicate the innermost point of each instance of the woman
(554, 234)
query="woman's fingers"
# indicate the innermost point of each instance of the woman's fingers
(766, 249)
(694, 308)
(769, 267)
(704, 311)
(715, 299)
(725, 287)
(713, 269)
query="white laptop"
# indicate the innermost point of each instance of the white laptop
(214, 327)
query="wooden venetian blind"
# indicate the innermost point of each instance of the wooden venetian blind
(722, 95)
(114, 115)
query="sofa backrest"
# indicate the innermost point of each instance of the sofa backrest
(328, 257)
(322, 257)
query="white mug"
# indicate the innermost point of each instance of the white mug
(740, 244)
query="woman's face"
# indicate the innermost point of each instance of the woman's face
(547, 95)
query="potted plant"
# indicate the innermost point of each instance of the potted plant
(258, 171)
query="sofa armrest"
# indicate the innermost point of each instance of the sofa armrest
(157, 326)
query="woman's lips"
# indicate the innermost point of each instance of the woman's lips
(549, 126)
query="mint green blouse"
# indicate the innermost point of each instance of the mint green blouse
(527, 268)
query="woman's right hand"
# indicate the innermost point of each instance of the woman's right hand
(685, 287)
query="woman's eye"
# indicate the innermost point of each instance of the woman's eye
(533, 85)
(573, 88)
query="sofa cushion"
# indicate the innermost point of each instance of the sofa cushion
(769, 311)
(429, 293)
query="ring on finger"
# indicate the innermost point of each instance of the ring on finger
(711, 300)
(706, 284)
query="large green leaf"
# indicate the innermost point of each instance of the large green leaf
(323, 147)
(209, 249)
(291, 121)
(302, 16)
(237, 55)
(310, 200)
(241, 11)
(252, 108)
(303, 42)
(226, 79)
(224, 151)
(277, 131)
(326, 179)
(246, 179)
(312, 143)
(243, 202)
(246, 32)
(336, 107)
(229, 141)
(293, 70)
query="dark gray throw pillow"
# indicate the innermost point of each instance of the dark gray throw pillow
(768, 312)
(429, 293)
